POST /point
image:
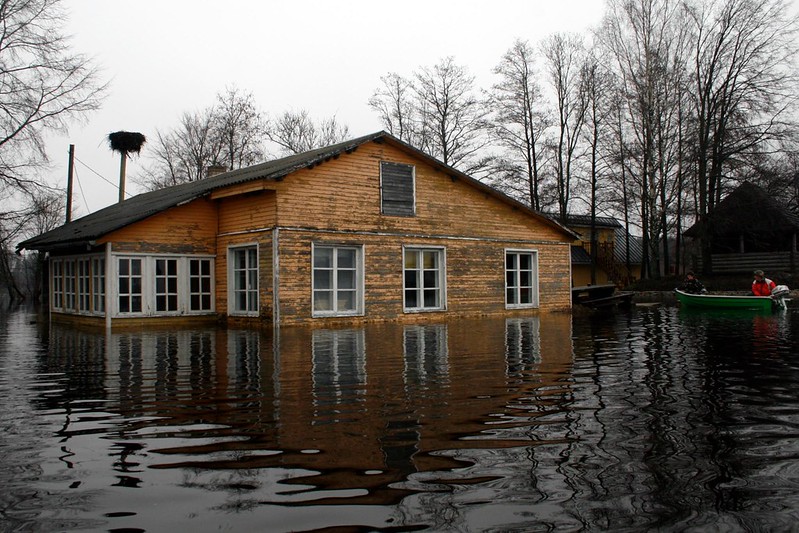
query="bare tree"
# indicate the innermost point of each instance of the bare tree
(520, 119)
(563, 54)
(230, 133)
(742, 86)
(44, 84)
(183, 154)
(295, 132)
(645, 40)
(394, 103)
(452, 117)
(241, 128)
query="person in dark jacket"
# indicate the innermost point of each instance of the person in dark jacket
(692, 285)
(762, 286)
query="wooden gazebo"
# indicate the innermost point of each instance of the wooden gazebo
(748, 230)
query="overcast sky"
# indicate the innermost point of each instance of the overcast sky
(167, 57)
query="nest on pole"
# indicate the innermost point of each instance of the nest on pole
(126, 142)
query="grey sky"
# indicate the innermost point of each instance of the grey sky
(167, 57)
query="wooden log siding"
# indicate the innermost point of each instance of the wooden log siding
(249, 212)
(344, 195)
(475, 276)
(185, 229)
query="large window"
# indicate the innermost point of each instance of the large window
(98, 284)
(57, 267)
(84, 285)
(78, 284)
(129, 285)
(166, 285)
(521, 278)
(337, 280)
(143, 285)
(423, 276)
(244, 273)
(397, 189)
(200, 285)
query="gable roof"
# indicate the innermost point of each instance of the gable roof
(87, 229)
(748, 209)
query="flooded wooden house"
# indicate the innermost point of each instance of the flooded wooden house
(370, 229)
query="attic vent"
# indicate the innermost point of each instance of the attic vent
(397, 189)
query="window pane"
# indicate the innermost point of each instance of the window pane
(346, 258)
(510, 261)
(135, 304)
(194, 284)
(411, 280)
(346, 279)
(323, 279)
(346, 300)
(124, 304)
(124, 286)
(511, 296)
(135, 285)
(431, 298)
(135, 266)
(323, 301)
(323, 258)
(526, 296)
(411, 260)
(194, 267)
(411, 299)
(430, 279)
(124, 267)
(160, 285)
(527, 278)
(430, 259)
(525, 261)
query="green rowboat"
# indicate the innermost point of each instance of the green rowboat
(720, 301)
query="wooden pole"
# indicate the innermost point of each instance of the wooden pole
(122, 165)
(70, 173)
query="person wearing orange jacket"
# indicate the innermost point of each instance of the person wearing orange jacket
(762, 286)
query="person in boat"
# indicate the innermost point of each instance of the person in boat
(692, 285)
(762, 286)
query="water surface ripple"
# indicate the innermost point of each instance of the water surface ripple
(651, 419)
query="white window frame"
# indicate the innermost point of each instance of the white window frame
(98, 284)
(359, 280)
(165, 292)
(146, 303)
(149, 285)
(200, 293)
(516, 272)
(232, 290)
(441, 278)
(57, 284)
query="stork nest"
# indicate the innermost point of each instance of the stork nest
(126, 142)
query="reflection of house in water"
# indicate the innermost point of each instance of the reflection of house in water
(339, 368)
(385, 398)
(425, 353)
(522, 345)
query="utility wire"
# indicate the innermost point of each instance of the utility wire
(115, 185)
(83, 194)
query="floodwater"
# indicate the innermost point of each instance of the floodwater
(647, 419)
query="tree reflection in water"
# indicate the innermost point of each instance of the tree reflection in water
(649, 419)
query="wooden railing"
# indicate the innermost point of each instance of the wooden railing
(617, 272)
(740, 263)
